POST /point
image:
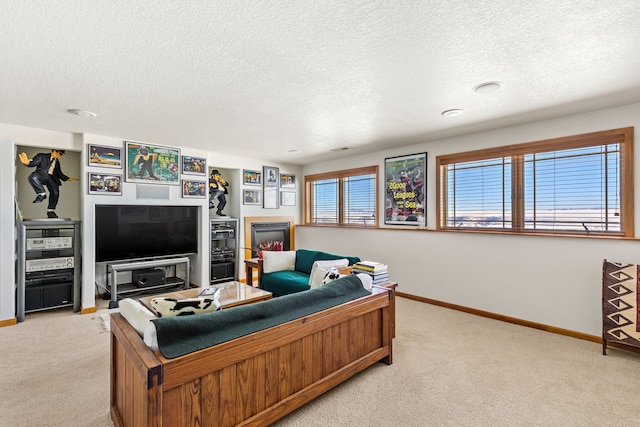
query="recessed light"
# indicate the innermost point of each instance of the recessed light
(333, 150)
(295, 151)
(454, 112)
(487, 87)
(82, 113)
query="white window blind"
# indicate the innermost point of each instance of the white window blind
(479, 194)
(577, 190)
(347, 198)
(542, 187)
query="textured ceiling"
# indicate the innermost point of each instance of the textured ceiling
(259, 78)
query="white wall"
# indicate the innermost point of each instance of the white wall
(555, 281)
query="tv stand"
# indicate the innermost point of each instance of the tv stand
(122, 289)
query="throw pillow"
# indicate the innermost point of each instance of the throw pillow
(325, 265)
(367, 281)
(136, 314)
(151, 337)
(331, 275)
(317, 278)
(166, 307)
(278, 261)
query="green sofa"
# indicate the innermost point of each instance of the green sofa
(290, 281)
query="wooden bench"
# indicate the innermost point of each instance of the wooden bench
(252, 380)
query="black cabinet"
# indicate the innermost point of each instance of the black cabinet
(224, 250)
(48, 265)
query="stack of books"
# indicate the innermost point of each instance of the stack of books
(378, 271)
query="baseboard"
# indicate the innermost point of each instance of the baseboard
(541, 326)
(8, 322)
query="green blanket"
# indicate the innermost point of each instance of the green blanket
(181, 335)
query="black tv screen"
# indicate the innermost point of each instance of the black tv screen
(127, 232)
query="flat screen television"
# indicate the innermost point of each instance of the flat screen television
(134, 232)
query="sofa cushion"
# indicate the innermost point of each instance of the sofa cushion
(181, 335)
(278, 261)
(320, 269)
(284, 282)
(165, 306)
(306, 257)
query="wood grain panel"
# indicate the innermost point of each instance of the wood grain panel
(245, 391)
(345, 343)
(210, 399)
(297, 366)
(173, 399)
(284, 368)
(272, 377)
(357, 336)
(316, 371)
(259, 383)
(228, 396)
(308, 356)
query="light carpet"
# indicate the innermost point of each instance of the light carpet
(450, 369)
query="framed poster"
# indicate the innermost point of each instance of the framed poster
(105, 183)
(251, 177)
(405, 189)
(251, 197)
(194, 189)
(287, 180)
(288, 198)
(270, 187)
(105, 157)
(152, 164)
(194, 165)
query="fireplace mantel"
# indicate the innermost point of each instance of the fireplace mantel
(255, 219)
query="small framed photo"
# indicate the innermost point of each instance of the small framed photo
(194, 165)
(270, 186)
(270, 176)
(194, 189)
(287, 180)
(105, 157)
(251, 197)
(288, 198)
(105, 184)
(251, 177)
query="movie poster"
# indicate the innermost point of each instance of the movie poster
(405, 188)
(151, 164)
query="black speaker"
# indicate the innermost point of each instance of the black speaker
(50, 295)
(222, 270)
(148, 277)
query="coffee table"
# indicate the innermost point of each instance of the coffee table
(231, 294)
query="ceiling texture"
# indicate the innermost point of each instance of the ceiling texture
(262, 79)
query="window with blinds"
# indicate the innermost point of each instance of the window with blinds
(342, 198)
(572, 185)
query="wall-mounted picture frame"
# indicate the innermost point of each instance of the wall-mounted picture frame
(194, 189)
(105, 184)
(287, 180)
(271, 199)
(251, 177)
(251, 196)
(152, 164)
(405, 189)
(287, 198)
(194, 165)
(104, 157)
